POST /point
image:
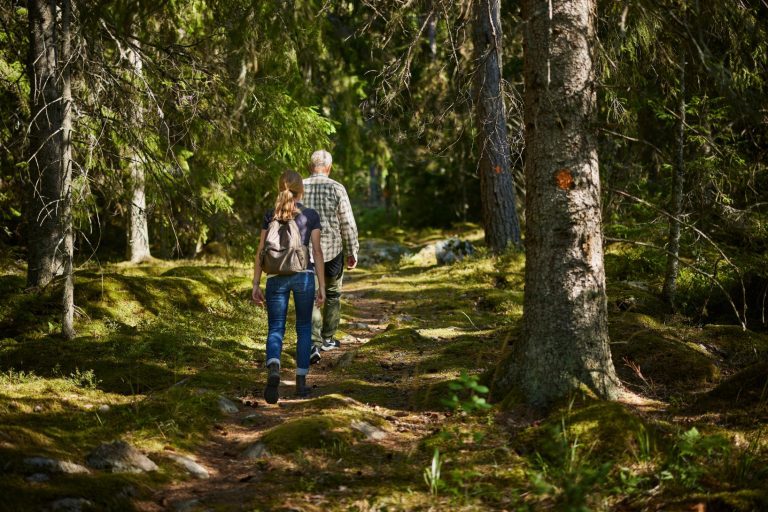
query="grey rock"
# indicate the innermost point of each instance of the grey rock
(191, 466)
(227, 406)
(72, 505)
(38, 408)
(104, 408)
(256, 451)
(452, 250)
(186, 505)
(54, 466)
(371, 432)
(345, 360)
(38, 477)
(120, 457)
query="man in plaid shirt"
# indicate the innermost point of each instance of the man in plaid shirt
(338, 236)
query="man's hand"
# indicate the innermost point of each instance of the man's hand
(257, 295)
(320, 298)
(351, 262)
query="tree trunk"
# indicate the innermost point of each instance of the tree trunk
(138, 228)
(669, 290)
(502, 228)
(67, 321)
(564, 345)
(49, 207)
(43, 211)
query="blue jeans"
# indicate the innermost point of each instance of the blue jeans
(278, 291)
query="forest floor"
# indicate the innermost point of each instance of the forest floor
(397, 418)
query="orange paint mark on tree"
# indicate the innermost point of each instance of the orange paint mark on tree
(498, 169)
(564, 179)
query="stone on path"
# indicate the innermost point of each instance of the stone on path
(54, 466)
(72, 505)
(345, 360)
(186, 505)
(38, 477)
(371, 432)
(120, 457)
(190, 465)
(227, 406)
(256, 451)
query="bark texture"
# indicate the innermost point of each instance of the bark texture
(564, 345)
(45, 186)
(502, 227)
(49, 196)
(669, 290)
(65, 59)
(137, 231)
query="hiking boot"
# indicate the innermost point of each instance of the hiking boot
(302, 390)
(330, 344)
(271, 394)
(314, 355)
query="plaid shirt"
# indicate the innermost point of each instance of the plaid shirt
(330, 199)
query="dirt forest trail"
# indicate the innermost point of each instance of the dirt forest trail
(237, 480)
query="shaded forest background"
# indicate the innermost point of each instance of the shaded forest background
(226, 94)
(139, 136)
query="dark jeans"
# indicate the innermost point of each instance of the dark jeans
(278, 291)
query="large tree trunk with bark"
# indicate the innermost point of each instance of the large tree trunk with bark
(137, 231)
(502, 228)
(669, 290)
(49, 197)
(65, 60)
(564, 345)
(43, 209)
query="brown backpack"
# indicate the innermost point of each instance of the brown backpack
(284, 253)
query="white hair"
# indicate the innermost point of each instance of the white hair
(321, 158)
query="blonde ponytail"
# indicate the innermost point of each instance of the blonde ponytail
(290, 187)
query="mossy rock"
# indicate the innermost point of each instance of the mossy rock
(664, 360)
(629, 297)
(328, 421)
(739, 347)
(605, 431)
(315, 431)
(403, 338)
(746, 390)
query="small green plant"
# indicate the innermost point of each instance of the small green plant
(466, 394)
(644, 445)
(432, 473)
(692, 456)
(84, 379)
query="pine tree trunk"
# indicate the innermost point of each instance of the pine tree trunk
(564, 343)
(67, 323)
(669, 290)
(502, 228)
(138, 228)
(43, 209)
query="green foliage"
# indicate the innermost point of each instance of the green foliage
(466, 394)
(692, 454)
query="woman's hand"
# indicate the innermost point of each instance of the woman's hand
(320, 298)
(257, 295)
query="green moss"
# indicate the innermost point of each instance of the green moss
(314, 431)
(655, 359)
(746, 392)
(600, 431)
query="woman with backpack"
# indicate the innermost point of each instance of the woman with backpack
(283, 255)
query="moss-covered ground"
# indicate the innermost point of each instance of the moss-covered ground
(160, 343)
